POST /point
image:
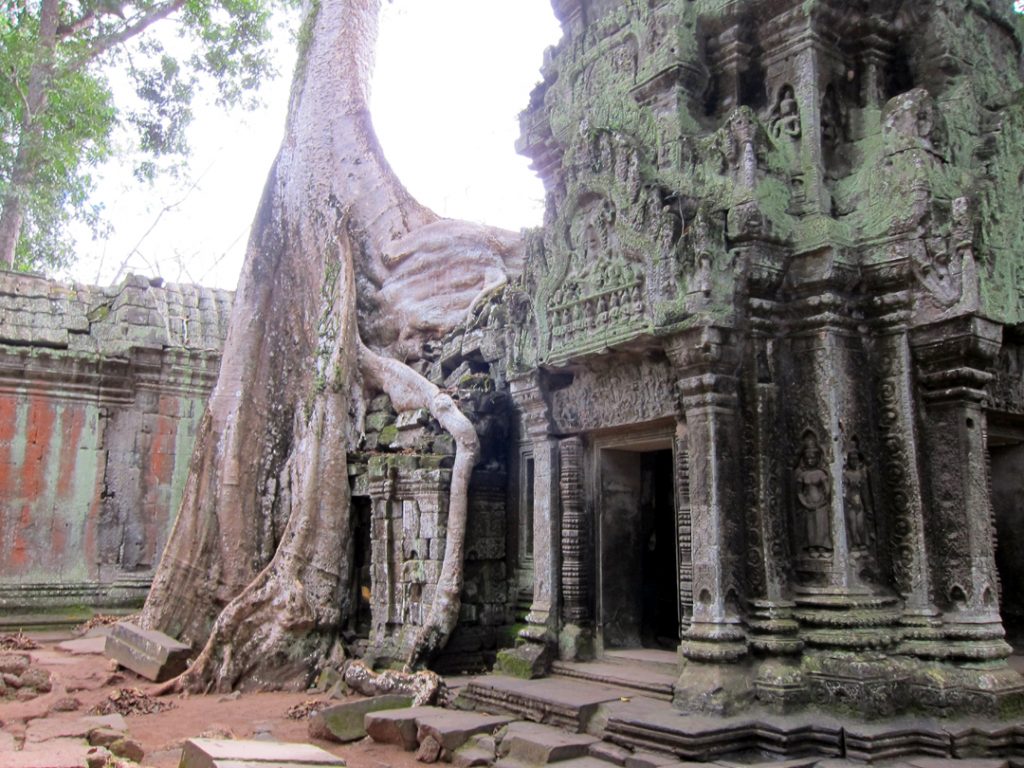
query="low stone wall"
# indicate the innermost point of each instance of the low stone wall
(101, 392)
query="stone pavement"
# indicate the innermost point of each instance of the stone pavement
(68, 742)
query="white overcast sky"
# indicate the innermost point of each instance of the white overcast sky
(451, 78)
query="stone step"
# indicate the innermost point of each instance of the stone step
(702, 738)
(566, 703)
(451, 728)
(242, 753)
(532, 744)
(648, 681)
(653, 659)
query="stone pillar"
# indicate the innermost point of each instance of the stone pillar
(899, 447)
(684, 525)
(952, 358)
(706, 360)
(532, 654)
(770, 620)
(575, 641)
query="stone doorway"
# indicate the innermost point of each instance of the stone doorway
(1006, 456)
(638, 598)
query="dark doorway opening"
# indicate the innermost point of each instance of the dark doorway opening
(639, 582)
(361, 620)
(1006, 455)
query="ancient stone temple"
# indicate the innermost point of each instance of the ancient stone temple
(756, 400)
(101, 392)
(766, 352)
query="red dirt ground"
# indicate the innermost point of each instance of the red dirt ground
(91, 678)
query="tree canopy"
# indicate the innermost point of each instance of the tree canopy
(58, 110)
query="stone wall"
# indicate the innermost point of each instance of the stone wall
(101, 391)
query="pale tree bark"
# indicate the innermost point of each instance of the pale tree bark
(344, 269)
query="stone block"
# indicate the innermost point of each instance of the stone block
(59, 753)
(231, 753)
(50, 728)
(547, 745)
(346, 721)
(452, 728)
(397, 726)
(153, 655)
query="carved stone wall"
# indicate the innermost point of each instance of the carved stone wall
(795, 228)
(101, 391)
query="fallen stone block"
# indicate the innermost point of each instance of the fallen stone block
(451, 728)
(49, 728)
(231, 753)
(540, 746)
(345, 722)
(397, 726)
(128, 748)
(152, 655)
(480, 750)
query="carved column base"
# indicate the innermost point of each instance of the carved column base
(527, 660)
(576, 643)
(921, 634)
(717, 642)
(772, 628)
(860, 683)
(714, 689)
(973, 638)
(781, 686)
(947, 690)
(847, 619)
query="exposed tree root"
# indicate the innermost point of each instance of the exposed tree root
(424, 686)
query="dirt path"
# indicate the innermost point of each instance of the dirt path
(90, 678)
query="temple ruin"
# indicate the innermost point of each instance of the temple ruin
(755, 402)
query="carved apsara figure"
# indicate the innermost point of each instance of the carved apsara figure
(859, 506)
(784, 121)
(813, 493)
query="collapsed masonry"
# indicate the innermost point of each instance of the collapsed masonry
(756, 397)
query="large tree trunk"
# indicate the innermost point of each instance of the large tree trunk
(12, 214)
(340, 254)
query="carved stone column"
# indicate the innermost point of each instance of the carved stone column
(684, 525)
(952, 358)
(706, 358)
(900, 448)
(532, 655)
(576, 637)
(770, 621)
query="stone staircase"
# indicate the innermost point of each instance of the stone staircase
(646, 671)
(630, 725)
(645, 733)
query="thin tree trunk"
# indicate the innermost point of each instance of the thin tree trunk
(30, 135)
(256, 566)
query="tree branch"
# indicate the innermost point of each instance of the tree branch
(139, 25)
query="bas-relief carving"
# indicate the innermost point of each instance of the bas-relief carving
(784, 120)
(816, 211)
(631, 392)
(813, 487)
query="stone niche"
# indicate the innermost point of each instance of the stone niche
(101, 391)
(783, 240)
